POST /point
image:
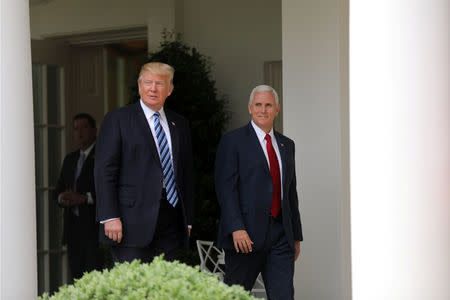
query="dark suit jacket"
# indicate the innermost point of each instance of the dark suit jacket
(128, 173)
(244, 188)
(85, 228)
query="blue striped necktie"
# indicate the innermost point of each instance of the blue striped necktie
(166, 163)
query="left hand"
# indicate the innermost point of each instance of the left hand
(69, 198)
(189, 231)
(297, 249)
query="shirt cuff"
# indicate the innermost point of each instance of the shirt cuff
(107, 220)
(90, 200)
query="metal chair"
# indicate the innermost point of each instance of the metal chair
(212, 260)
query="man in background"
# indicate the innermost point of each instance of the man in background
(260, 228)
(75, 191)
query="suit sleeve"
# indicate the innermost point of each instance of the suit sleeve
(188, 177)
(107, 168)
(227, 185)
(293, 198)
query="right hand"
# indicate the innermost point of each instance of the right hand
(69, 198)
(113, 230)
(242, 241)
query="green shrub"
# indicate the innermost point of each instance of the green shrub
(159, 280)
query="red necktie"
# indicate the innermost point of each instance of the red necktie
(275, 174)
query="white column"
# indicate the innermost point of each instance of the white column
(315, 87)
(399, 145)
(17, 186)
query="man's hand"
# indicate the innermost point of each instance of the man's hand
(297, 249)
(189, 231)
(69, 198)
(242, 241)
(113, 230)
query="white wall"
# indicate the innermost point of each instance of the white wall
(239, 36)
(316, 116)
(399, 100)
(18, 266)
(62, 17)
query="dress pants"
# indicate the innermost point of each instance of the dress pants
(275, 261)
(168, 239)
(84, 257)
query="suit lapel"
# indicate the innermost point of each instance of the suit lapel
(175, 137)
(143, 125)
(73, 168)
(282, 149)
(256, 145)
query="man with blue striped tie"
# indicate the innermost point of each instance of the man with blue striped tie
(144, 173)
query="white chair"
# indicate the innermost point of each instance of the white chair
(259, 290)
(212, 260)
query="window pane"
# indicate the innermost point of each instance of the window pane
(40, 219)
(53, 95)
(39, 155)
(54, 154)
(41, 273)
(37, 93)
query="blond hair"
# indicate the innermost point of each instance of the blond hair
(158, 68)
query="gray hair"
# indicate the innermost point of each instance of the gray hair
(263, 88)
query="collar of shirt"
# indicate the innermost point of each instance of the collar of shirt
(261, 134)
(88, 150)
(162, 121)
(149, 112)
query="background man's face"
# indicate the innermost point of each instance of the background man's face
(264, 109)
(154, 89)
(83, 133)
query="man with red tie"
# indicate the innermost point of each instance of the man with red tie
(260, 228)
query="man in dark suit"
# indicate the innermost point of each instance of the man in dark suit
(75, 191)
(260, 228)
(144, 173)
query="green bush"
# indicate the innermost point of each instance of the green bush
(159, 280)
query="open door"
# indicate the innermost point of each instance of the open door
(50, 71)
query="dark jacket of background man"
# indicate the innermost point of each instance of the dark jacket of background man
(77, 196)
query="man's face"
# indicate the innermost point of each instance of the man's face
(154, 89)
(263, 110)
(83, 133)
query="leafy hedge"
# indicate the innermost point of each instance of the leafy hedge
(159, 280)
